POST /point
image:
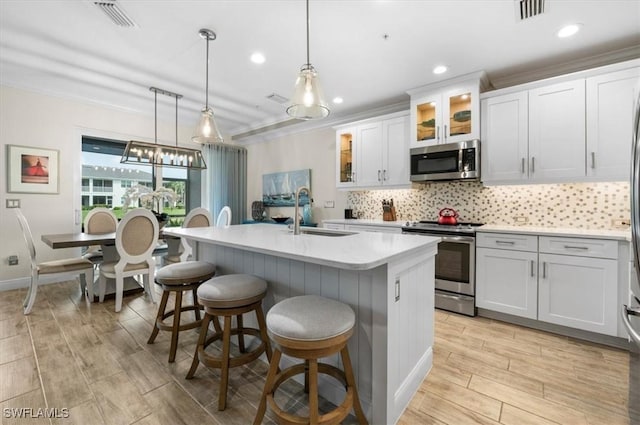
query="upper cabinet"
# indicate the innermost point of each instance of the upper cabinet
(373, 153)
(610, 106)
(570, 130)
(446, 112)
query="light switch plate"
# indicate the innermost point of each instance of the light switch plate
(13, 203)
(329, 204)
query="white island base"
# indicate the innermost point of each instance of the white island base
(391, 348)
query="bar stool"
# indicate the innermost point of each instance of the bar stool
(179, 277)
(310, 327)
(227, 296)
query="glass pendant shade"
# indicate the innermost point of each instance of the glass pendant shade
(308, 101)
(207, 130)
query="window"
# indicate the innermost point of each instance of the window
(85, 200)
(102, 200)
(102, 185)
(126, 183)
(85, 185)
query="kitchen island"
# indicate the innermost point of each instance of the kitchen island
(388, 280)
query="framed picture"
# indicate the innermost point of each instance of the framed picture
(279, 189)
(32, 169)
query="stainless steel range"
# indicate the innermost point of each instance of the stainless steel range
(455, 263)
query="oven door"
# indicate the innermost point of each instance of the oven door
(455, 265)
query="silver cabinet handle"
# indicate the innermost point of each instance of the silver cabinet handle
(593, 160)
(384, 174)
(397, 289)
(505, 242)
(438, 133)
(533, 164)
(532, 271)
(353, 176)
(581, 248)
(445, 132)
(522, 165)
(544, 269)
(378, 175)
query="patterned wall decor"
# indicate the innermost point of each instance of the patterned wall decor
(582, 205)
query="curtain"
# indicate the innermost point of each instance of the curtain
(227, 166)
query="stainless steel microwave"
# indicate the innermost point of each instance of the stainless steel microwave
(449, 161)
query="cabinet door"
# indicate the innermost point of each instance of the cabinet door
(557, 131)
(506, 281)
(369, 154)
(578, 292)
(426, 120)
(345, 157)
(610, 106)
(505, 138)
(396, 151)
(460, 113)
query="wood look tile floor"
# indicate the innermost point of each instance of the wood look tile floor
(68, 354)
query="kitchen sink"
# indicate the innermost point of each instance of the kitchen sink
(324, 232)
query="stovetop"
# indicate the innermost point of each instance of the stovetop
(428, 226)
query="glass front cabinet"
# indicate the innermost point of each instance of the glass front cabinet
(345, 143)
(446, 112)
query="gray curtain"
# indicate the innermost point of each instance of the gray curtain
(228, 170)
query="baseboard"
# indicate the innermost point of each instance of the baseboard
(24, 282)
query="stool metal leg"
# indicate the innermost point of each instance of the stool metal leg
(161, 309)
(274, 365)
(176, 327)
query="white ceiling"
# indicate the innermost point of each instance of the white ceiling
(70, 48)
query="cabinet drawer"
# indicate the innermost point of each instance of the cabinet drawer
(367, 228)
(600, 248)
(507, 241)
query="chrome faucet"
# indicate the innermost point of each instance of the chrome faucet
(296, 221)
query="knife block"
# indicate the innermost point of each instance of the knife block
(389, 214)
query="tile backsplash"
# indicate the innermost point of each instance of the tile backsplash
(581, 205)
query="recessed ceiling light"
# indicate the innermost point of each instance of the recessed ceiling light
(258, 58)
(568, 30)
(440, 69)
(337, 100)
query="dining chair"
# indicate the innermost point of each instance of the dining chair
(136, 237)
(98, 221)
(50, 268)
(179, 249)
(224, 217)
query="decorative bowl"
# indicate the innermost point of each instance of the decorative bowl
(280, 219)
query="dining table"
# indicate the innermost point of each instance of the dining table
(107, 242)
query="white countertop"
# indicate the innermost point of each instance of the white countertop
(559, 231)
(359, 251)
(366, 222)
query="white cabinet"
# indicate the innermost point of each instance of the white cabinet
(506, 274)
(373, 153)
(574, 288)
(368, 228)
(534, 135)
(570, 130)
(566, 281)
(446, 112)
(610, 105)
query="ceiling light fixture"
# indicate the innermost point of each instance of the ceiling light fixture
(308, 102)
(258, 58)
(568, 30)
(207, 130)
(440, 69)
(337, 100)
(142, 153)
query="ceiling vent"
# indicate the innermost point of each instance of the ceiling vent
(115, 13)
(277, 98)
(529, 8)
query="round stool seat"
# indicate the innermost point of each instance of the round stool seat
(310, 318)
(231, 290)
(185, 273)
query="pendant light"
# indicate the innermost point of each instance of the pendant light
(206, 131)
(142, 153)
(308, 101)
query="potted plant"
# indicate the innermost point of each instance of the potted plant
(146, 197)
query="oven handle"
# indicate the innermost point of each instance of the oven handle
(626, 312)
(464, 239)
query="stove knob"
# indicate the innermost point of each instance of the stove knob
(407, 224)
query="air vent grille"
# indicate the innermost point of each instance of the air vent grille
(277, 98)
(115, 13)
(529, 8)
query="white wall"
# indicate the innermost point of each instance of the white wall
(314, 149)
(36, 120)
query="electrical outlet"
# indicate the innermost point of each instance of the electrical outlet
(13, 260)
(520, 219)
(329, 204)
(13, 203)
(620, 222)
